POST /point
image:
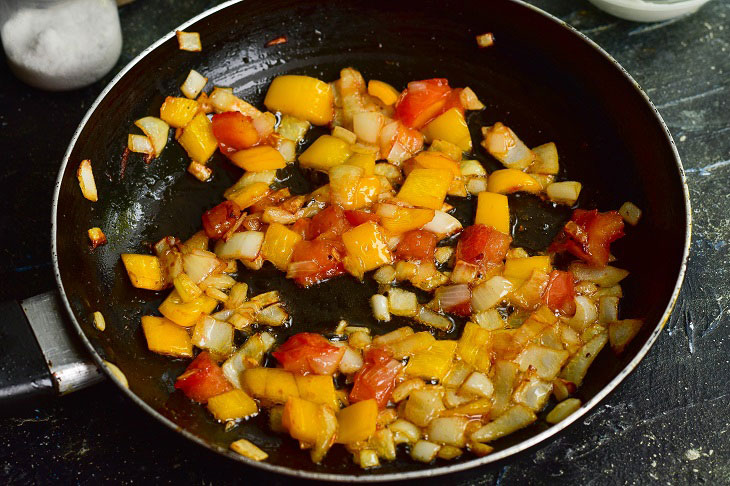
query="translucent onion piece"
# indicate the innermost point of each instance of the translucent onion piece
(245, 245)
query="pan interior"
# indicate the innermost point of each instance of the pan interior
(539, 78)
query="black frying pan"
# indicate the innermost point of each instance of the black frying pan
(541, 78)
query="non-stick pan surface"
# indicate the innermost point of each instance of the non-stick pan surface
(541, 78)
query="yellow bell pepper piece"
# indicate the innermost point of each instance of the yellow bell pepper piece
(232, 405)
(302, 97)
(437, 160)
(250, 194)
(426, 187)
(177, 112)
(433, 362)
(144, 271)
(522, 268)
(318, 389)
(198, 140)
(278, 245)
(473, 344)
(493, 210)
(383, 91)
(257, 159)
(507, 181)
(166, 337)
(326, 152)
(187, 289)
(365, 161)
(367, 248)
(272, 384)
(450, 126)
(186, 313)
(407, 219)
(357, 422)
(367, 192)
(349, 189)
(303, 419)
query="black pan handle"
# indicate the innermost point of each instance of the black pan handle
(39, 354)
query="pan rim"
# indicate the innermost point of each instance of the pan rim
(374, 477)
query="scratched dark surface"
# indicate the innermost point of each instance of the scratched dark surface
(667, 424)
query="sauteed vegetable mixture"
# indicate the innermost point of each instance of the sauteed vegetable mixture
(391, 160)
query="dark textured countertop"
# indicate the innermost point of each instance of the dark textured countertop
(668, 423)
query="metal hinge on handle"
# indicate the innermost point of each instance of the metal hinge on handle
(69, 363)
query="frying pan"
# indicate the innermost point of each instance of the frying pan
(541, 78)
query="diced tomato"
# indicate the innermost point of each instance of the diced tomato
(482, 245)
(234, 130)
(301, 226)
(315, 261)
(560, 292)
(376, 378)
(202, 379)
(417, 245)
(589, 234)
(219, 219)
(252, 222)
(328, 223)
(453, 100)
(463, 310)
(422, 101)
(357, 217)
(308, 352)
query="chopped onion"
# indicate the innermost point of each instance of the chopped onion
(513, 419)
(245, 245)
(464, 272)
(533, 393)
(546, 361)
(278, 215)
(606, 276)
(344, 134)
(424, 451)
(389, 171)
(214, 335)
(404, 432)
(630, 212)
(188, 41)
(367, 126)
(273, 315)
(443, 254)
(477, 384)
(562, 410)
(248, 449)
(194, 84)
(199, 264)
(423, 406)
(443, 224)
(402, 302)
(351, 361)
(490, 293)
(264, 123)
(565, 192)
(402, 391)
(200, 171)
(156, 130)
(433, 319)
(475, 185)
(621, 333)
(448, 431)
(140, 144)
(86, 181)
(379, 304)
(607, 309)
(472, 168)
(449, 296)
(490, 319)
(287, 149)
(385, 275)
(575, 370)
(485, 40)
(469, 99)
(585, 313)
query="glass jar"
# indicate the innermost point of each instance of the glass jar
(60, 44)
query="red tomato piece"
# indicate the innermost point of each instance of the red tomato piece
(376, 378)
(301, 226)
(316, 261)
(560, 292)
(202, 379)
(589, 234)
(308, 352)
(328, 223)
(482, 245)
(357, 217)
(234, 130)
(417, 245)
(422, 101)
(453, 100)
(219, 219)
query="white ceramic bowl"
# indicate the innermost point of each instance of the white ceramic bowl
(645, 11)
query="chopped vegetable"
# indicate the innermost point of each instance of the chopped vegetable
(248, 449)
(188, 41)
(301, 96)
(485, 40)
(309, 353)
(202, 379)
(376, 379)
(194, 84)
(99, 321)
(97, 237)
(165, 337)
(86, 181)
(630, 213)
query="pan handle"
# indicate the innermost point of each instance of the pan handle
(41, 356)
